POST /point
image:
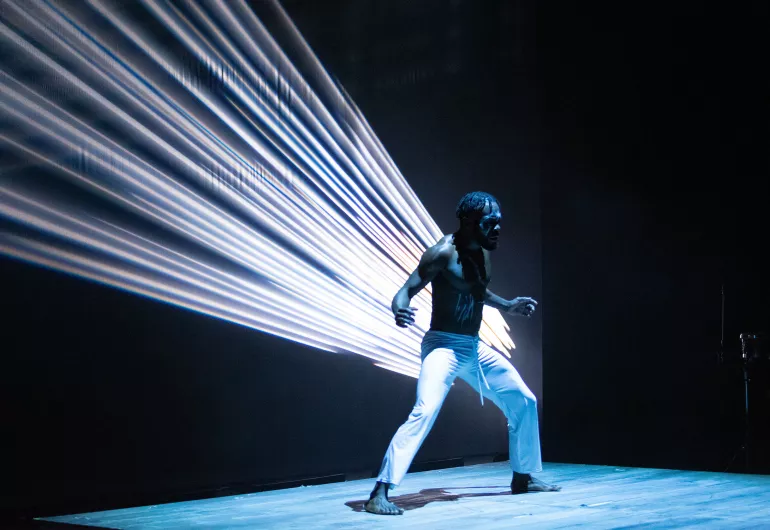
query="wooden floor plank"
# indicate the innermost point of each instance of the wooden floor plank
(479, 496)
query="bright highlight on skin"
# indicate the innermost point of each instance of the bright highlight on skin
(193, 164)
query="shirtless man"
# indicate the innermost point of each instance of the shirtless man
(460, 269)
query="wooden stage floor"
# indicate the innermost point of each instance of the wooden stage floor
(478, 497)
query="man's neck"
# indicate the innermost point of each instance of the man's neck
(465, 243)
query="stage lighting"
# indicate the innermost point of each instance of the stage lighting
(173, 150)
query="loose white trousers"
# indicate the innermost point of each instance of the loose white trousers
(446, 356)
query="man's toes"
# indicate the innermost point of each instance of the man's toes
(382, 507)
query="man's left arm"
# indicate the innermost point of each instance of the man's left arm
(521, 305)
(492, 300)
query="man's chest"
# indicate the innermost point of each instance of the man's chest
(467, 273)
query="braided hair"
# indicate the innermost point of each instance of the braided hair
(472, 204)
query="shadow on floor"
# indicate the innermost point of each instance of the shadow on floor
(412, 501)
(33, 524)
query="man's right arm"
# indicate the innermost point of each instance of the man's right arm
(433, 261)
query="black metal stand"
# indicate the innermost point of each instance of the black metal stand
(755, 361)
(752, 363)
(746, 440)
(746, 446)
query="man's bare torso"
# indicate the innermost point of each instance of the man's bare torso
(459, 290)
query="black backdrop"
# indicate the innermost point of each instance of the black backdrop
(655, 190)
(110, 399)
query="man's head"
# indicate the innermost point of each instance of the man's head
(480, 218)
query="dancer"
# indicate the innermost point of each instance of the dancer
(460, 269)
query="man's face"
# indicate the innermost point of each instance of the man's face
(488, 228)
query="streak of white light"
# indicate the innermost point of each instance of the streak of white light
(318, 260)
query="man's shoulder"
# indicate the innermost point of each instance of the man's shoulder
(445, 246)
(442, 251)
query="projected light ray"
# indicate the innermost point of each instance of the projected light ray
(274, 210)
(300, 104)
(205, 293)
(265, 114)
(358, 128)
(354, 331)
(156, 138)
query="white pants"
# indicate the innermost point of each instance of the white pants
(444, 357)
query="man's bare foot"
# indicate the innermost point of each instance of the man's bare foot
(526, 483)
(378, 502)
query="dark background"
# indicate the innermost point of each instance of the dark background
(655, 188)
(628, 147)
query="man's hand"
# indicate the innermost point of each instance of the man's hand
(522, 305)
(405, 317)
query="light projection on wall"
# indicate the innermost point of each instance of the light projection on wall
(173, 150)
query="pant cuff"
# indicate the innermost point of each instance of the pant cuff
(387, 481)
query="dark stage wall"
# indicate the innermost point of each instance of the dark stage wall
(113, 399)
(655, 189)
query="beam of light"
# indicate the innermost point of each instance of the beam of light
(196, 165)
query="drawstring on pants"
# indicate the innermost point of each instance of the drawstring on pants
(479, 372)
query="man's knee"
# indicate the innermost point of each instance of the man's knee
(530, 398)
(519, 396)
(426, 409)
